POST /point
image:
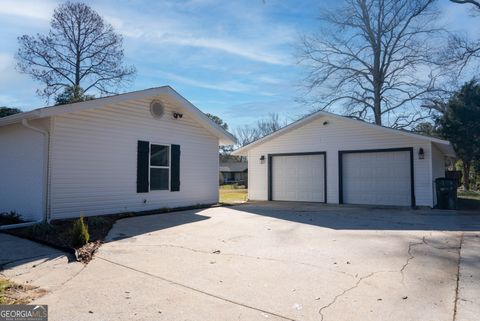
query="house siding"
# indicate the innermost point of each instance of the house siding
(94, 160)
(22, 171)
(335, 136)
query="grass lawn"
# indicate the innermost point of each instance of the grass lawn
(469, 200)
(231, 194)
(4, 285)
(474, 195)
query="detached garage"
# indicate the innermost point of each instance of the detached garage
(328, 158)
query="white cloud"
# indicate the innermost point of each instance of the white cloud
(249, 51)
(27, 8)
(8, 73)
(6, 61)
(15, 89)
(460, 18)
(231, 86)
(228, 30)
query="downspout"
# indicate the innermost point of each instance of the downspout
(46, 162)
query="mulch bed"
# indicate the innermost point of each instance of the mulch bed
(58, 234)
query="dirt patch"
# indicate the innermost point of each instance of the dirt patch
(14, 293)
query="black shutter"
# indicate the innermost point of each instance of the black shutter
(175, 169)
(143, 153)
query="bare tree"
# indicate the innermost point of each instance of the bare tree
(80, 51)
(461, 50)
(249, 133)
(373, 58)
(472, 2)
(459, 60)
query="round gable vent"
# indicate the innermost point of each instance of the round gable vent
(156, 109)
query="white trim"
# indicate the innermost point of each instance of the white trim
(242, 151)
(50, 168)
(150, 166)
(225, 138)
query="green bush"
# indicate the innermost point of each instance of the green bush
(40, 230)
(80, 234)
(96, 221)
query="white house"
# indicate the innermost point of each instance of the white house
(137, 151)
(333, 159)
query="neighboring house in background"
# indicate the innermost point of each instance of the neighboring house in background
(333, 159)
(137, 151)
(234, 172)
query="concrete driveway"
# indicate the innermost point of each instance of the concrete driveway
(280, 261)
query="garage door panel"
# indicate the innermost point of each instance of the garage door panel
(379, 178)
(298, 178)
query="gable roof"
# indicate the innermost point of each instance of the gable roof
(224, 136)
(443, 145)
(233, 167)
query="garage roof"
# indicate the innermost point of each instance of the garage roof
(443, 145)
(224, 136)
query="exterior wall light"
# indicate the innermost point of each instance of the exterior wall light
(177, 115)
(262, 159)
(421, 154)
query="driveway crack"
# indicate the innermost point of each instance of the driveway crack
(360, 280)
(198, 290)
(411, 245)
(458, 277)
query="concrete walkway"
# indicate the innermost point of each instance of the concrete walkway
(24, 261)
(269, 261)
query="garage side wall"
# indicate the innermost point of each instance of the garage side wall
(22, 153)
(94, 160)
(334, 136)
(438, 169)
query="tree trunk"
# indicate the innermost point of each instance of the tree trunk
(466, 175)
(78, 61)
(377, 80)
(377, 109)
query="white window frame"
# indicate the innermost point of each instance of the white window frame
(150, 166)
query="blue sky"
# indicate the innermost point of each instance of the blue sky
(235, 59)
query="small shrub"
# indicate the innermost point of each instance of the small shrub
(40, 230)
(80, 234)
(96, 221)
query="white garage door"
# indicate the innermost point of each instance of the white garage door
(298, 178)
(380, 178)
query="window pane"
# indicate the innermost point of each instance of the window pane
(159, 155)
(159, 178)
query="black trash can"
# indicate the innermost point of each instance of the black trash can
(446, 193)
